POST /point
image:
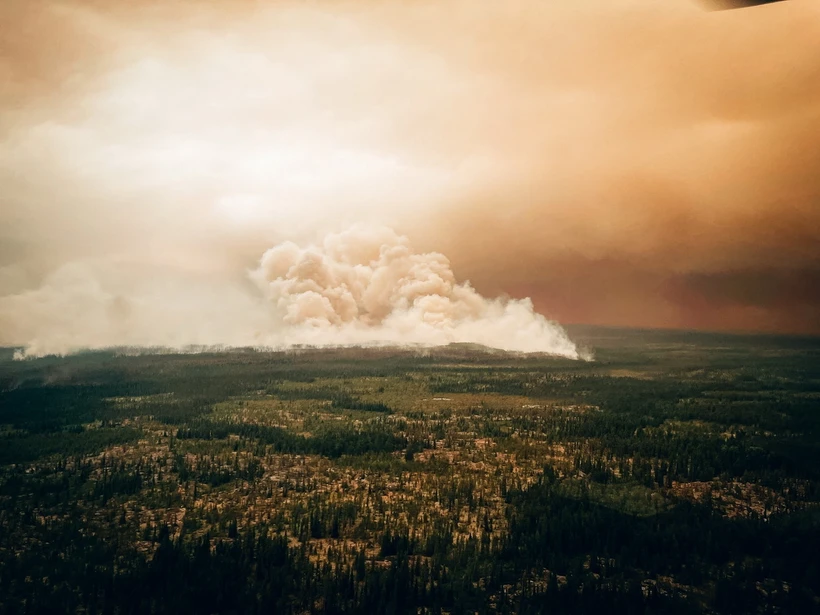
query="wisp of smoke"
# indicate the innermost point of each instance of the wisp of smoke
(363, 286)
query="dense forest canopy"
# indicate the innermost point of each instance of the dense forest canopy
(677, 473)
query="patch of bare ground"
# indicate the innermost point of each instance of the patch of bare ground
(735, 498)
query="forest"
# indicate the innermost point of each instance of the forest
(675, 473)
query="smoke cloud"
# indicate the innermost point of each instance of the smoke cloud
(367, 285)
(364, 286)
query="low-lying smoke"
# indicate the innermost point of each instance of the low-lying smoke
(364, 286)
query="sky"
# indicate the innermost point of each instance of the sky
(639, 163)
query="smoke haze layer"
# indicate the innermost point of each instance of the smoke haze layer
(626, 162)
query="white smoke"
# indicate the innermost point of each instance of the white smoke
(364, 286)
(367, 285)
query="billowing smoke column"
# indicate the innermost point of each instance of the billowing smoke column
(367, 285)
(364, 286)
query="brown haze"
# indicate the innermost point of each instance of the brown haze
(629, 162)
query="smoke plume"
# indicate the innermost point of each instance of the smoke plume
(363, 286)
(368, 285)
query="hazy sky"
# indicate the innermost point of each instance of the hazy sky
(629, 162)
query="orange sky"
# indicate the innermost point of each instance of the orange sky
(627, 162)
